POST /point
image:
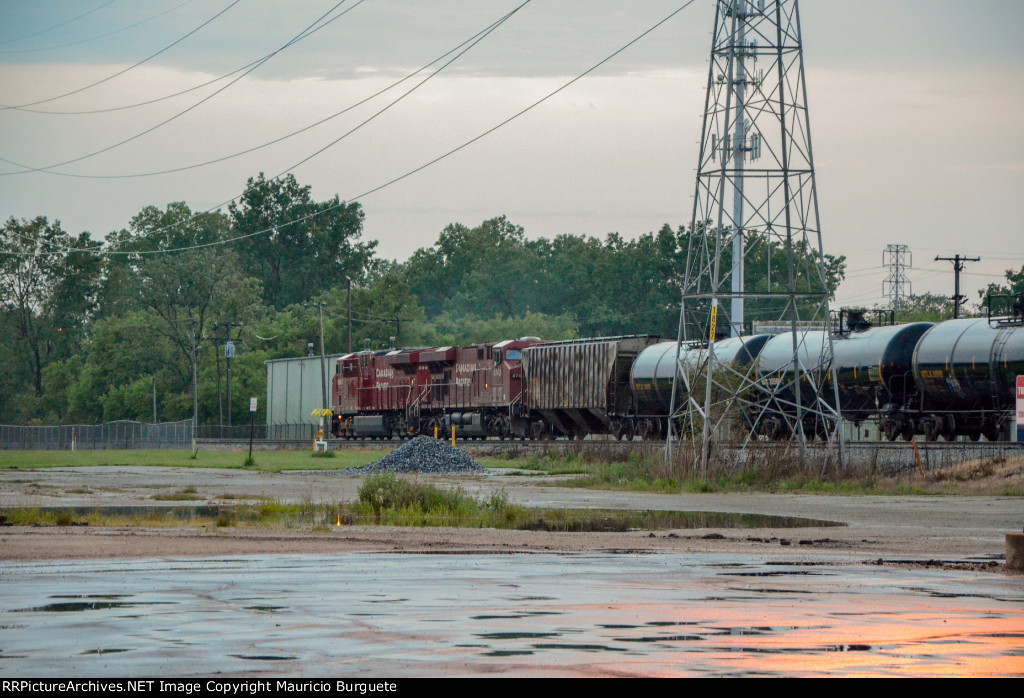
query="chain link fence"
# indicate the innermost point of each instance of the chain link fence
(122, 434)
(141, 435)
(272, 432)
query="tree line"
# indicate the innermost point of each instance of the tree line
(89, 332)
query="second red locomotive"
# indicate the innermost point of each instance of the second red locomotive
(405, 392)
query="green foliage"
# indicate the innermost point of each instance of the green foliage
(1002, 298)
(125, 356)
(926, 307)
(311, 246)
(400, 502)
(609, 287)
(48, 287)
(447, 330)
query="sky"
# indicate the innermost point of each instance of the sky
(914, 107)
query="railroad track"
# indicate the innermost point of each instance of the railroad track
(885, 455)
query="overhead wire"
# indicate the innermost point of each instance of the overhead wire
(475, 38)
(131, 67)
(454, 58)
(87, 40)
(205, 99)
(401, 177)
(56, 26)
(157, 99)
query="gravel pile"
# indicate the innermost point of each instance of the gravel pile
(423, 455)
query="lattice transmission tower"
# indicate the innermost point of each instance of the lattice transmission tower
(897, 287)
(755, 253)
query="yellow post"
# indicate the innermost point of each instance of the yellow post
(453, 435)
(435, 431)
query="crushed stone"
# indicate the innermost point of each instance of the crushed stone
(422, 455)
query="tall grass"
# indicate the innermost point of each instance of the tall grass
(392, 501)
(767, 468)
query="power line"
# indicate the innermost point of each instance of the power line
(454, 58)
(395, 180)
(55, 26)
(165, 97)
(92, 38)
(187, 110)
(481, 34)
(131, 67)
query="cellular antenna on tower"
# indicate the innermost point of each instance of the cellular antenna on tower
(755, 242)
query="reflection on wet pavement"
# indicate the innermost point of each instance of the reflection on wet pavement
(453, 615)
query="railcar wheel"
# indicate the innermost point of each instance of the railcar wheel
(948, 428)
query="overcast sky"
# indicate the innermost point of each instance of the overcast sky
(915, 108)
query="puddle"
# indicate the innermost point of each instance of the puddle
(515, 616)
(662, 638)
(616, 520)
(578, 648)
(262, 657)
(629, 614)
(77, 606)
(552, 520)
(770, 574)
(73, 516)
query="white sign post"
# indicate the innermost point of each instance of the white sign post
(1020, 408)
(252, 423)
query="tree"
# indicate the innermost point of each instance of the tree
(926, 307)
(187, 279)
(1005, 299)
(48, 286)
(610, 287)
(484, 271)
(122, 352)
(308, 246)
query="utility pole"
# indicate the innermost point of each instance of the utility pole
(220, 397)
(323, 359)
(195, 382)
(897, 287)
(958, 266)
(348, 281)
(229, 353)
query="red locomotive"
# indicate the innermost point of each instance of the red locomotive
(404, 392)
(521, 388)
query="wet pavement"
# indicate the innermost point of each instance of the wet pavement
(521, 614)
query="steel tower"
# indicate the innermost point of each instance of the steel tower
(755, 242)
(897, 287)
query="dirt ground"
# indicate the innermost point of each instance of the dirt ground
(951, 531)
